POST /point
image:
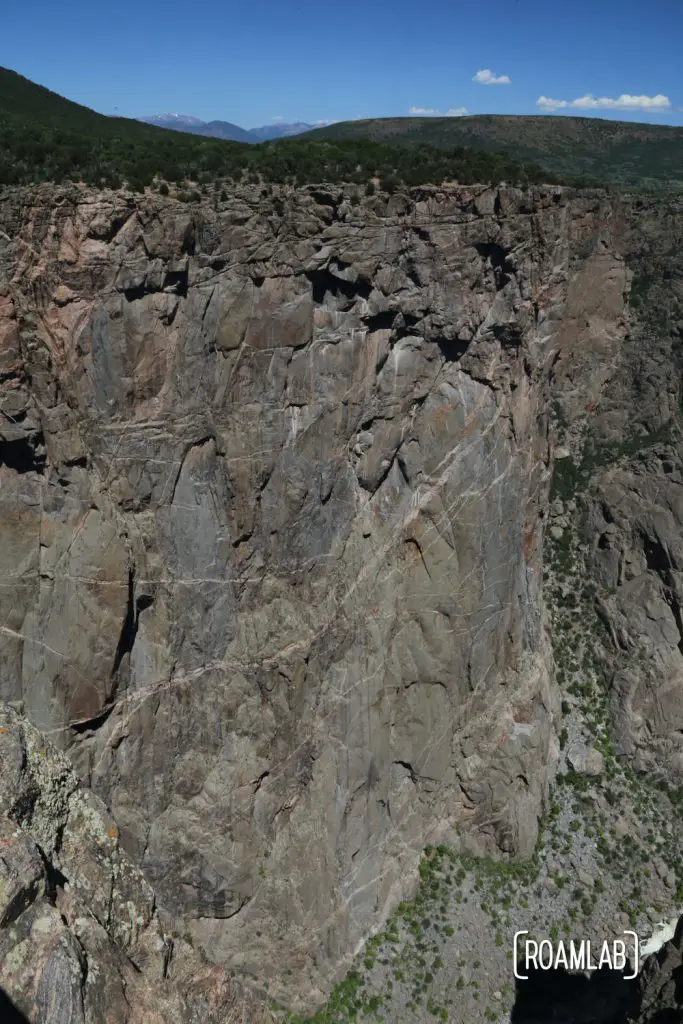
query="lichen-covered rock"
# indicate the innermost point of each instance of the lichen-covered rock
(80, 939)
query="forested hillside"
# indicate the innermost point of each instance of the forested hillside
(44, 137)
(620, 152)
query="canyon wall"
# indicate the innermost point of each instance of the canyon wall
(274, 478)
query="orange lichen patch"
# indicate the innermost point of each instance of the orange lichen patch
(62, 295)
(523, 714)
(442, 415)
(113, 832)
(413, 553)
(503, 738)
(3, 731)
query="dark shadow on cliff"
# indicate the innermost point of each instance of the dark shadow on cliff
(24, 455)
(9, 1014)
(670, 991)
(564, 998)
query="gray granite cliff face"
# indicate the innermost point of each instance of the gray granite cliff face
(273, 484)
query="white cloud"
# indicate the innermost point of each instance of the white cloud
(487, 77)
(549, 104)
(278, 117)
(321, 124)
(623, 102)
(451, 112)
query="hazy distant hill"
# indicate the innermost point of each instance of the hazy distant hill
(622, 152)
(225, 129)
(195, 126)
(280, 131)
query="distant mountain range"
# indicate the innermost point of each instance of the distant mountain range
(225, 129)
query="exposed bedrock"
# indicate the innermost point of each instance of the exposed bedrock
(272, 489)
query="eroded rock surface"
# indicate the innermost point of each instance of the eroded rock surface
(273, 483)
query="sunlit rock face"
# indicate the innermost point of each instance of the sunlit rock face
(272, 489)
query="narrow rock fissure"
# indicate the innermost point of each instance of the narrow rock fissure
(96, 722)
(414, 777)
(55, 879)
(129, 628)
(257, 783)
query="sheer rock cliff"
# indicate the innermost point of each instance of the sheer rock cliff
(274, 480)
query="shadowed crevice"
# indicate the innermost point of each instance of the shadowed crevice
(498, 258)
(324, 282)
(452, 349)
(24, 455)
(605, 997)
(9, 1012)
(129, 628)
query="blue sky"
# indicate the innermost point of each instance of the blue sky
(254, 61)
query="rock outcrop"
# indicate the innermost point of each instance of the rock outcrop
(624, 398)
(80, 937)
(661, 984)
(273, 483)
